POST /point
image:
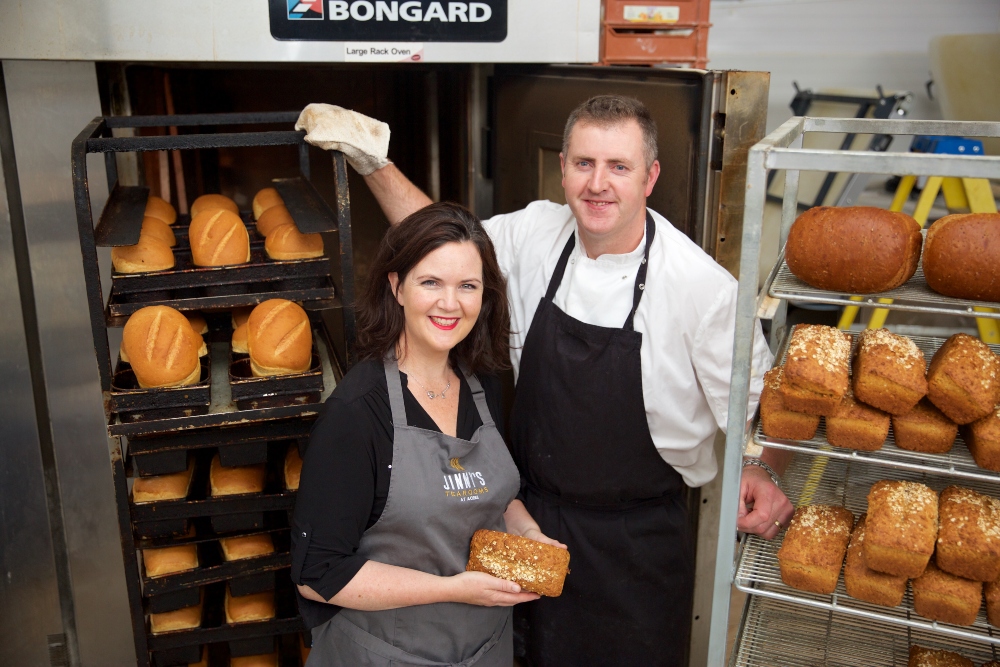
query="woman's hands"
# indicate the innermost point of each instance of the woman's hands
(519, 522)
(485, 590)
(537, 535)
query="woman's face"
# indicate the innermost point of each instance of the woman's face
(441, 297)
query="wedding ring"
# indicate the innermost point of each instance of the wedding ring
(778, 524)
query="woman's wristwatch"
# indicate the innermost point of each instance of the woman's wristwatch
(768, 469)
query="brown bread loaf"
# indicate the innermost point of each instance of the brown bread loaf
(213, 203)
(169, 560)
(924, 429)
(185, 618)
(287, 242)
(249, 608)
(930, 657)
(279, 339)
(902, 527)
(982, 437)
(262, 660)
(149, 254)
(293, 467)
(534, 566)
(946, 598)
(161, 209)
(857, 426)
(991, 593)
(968, 543)
(162, 348)
(778, 421)
(888, 371)
(962, 256)
(174, 486)
(218, 238)
(246, 546)
(265, 199)
(964, 379)
(229, 481)
(864, 583)
(813, 550)
(856, 249)
(816, 371)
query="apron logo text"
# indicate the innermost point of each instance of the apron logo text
(464, 485)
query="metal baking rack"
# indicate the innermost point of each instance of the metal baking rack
(956, 463)
(144, 441)
(776, 632)
(782, 149)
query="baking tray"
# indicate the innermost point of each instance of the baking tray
(164, 602)
(320, 296)
(252, 392)
(956, 463)
(831, 481)
(224, 411)
(777, 632)
(214, 629)
(133, 403)
(287, 648)
(212, 567)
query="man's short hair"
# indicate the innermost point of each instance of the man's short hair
(610, 110)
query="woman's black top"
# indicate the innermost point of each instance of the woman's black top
(345, 476)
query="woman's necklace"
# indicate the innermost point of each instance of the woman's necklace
(430, 394)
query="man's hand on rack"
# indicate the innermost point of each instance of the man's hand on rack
(364, 141)
(764, 509)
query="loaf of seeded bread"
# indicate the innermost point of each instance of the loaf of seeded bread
(856, 249)
(777, 421)
(902, 527)
(924, 429)
(535, 567)
(968, 543)
(864, 583)
(932, 657)
(815, 376)
(964, 379)
(888, 371)
(944, 597)
(857, 426)
(992, 594)
(813, 550)
(983, 440)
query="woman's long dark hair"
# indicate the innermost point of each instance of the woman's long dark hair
(380, 317)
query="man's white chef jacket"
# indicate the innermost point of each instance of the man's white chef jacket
(686, 316)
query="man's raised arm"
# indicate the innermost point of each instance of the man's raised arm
(364, 142)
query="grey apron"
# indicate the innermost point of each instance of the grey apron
(442, 489)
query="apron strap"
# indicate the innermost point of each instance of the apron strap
(395, 386)
(478, 395)
(640, 276)
(557, 275)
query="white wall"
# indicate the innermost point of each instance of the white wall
(842, 44)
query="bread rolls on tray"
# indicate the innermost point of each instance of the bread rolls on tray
(279, 339)
(162, 348)
(149, 254)
(265, 199)
(272, 218)
(213, 203)
(962, 256)
(161, 209)
(287, 242)
(218, 238)
(856, 249)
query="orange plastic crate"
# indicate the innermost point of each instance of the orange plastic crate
(641, 13)
(646, 45)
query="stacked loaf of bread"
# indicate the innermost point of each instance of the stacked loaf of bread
(536, 567)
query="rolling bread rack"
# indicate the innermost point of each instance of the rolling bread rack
(781, 625)
(245, 420)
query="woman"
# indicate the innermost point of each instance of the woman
(406, 462)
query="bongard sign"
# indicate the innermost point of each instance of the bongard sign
(389, 20)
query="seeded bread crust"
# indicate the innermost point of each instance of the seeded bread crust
(944, 597)
(924, 429)
(815, 376)
(813, 550)
(857, 426)
(778, 421)
(889, 371)
(982, 437)
(964, 379)
(902, 527)
(536, 567)
(968, 543)
(991, 592)
(929, 657)
(864, 583)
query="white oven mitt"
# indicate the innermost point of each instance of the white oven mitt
(364, 141)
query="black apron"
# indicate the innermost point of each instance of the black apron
(594, 480)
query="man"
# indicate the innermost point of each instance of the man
(622, 349)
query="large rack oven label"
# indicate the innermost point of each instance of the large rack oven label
(389, 20)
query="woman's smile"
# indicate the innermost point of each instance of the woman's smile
(445, 323)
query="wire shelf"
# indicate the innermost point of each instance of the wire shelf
(956, 463)
(835, 482)
(775, 632)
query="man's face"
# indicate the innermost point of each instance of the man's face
(606, 183)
